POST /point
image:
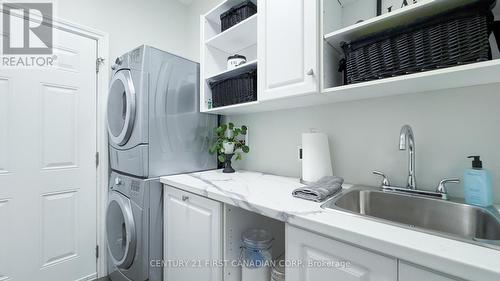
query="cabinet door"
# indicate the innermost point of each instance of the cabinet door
(408, 272)
(319, 258)
(287, 48)
(192, 230)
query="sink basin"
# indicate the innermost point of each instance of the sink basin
(436, 216)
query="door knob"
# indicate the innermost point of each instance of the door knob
(185, 198)
(310, 72)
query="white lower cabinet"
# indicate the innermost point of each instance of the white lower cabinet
(192, 237)
(199, 231)
(408, 272)
(318, 258)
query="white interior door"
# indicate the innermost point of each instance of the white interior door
(47, 166)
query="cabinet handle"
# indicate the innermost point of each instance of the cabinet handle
(185, 198)
(310, 72)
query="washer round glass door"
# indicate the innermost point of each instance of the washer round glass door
(121, 107)
(120, 229)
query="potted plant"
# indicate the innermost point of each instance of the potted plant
(227, 144)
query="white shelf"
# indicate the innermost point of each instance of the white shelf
(236, 38)
(214, 14)
(392, 20)
(233, 72)
(476, 74)
(448, 78)
(234, 108)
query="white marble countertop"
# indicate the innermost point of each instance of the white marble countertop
(270, 196)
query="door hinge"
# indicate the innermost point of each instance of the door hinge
(98, 62)
(97, 159)
(97, 251)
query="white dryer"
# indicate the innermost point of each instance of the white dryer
(154, 123)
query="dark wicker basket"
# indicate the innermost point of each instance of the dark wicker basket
(237, 14)
(459, 39)
(234, 90)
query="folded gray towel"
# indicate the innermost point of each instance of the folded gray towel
(320, 190)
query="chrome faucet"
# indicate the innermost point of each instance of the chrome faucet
(407, 142)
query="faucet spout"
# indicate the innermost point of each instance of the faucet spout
(407, 142)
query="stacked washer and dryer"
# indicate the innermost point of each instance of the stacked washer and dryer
(155, 129)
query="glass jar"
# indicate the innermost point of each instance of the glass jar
(278, 272)
(256, 255)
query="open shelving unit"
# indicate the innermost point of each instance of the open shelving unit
(339, 21)
(391, 20)
(339, 25)
(217, 46)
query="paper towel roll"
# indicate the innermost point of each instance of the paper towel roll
(316, 162)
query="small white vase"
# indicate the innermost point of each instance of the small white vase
(228, 147)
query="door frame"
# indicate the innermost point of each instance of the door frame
(102, 80)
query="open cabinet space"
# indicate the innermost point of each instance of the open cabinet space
(348, 21)
(237, 221)
(217, 46)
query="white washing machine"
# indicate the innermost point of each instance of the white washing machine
(154, 123)
(134, 228)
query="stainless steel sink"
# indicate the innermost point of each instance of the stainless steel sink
(445, 218)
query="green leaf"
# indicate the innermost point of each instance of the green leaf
(221, 158)
(219, 130)
(245, 149)
(238, 156)
(231, 126)
(212, 149)
(244, 128)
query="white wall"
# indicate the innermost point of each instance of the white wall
(197, 8)
(448, 126)
(130, 23)
(364, 136)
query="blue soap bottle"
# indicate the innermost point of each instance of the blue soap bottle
(478, 188)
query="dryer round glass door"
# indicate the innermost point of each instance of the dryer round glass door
(120, 229)
(121, 107)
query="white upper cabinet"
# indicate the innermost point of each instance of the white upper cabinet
(192, 231)
(287, 50)
(324, 259)
(296, 46)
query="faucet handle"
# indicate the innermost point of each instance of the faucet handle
(441, 188)
(385, 179)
